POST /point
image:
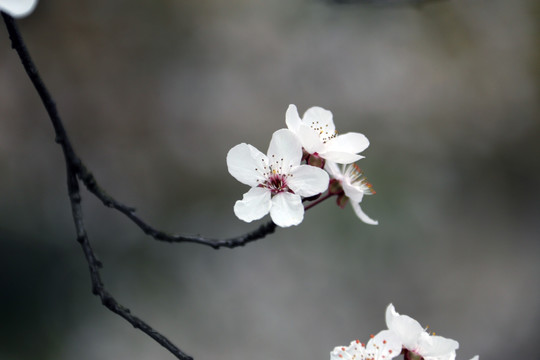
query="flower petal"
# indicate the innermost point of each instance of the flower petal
(448, 356)
(385, 345)
(245, 164)
(340, 157)
(434, 347)
(18, 8)
(362, 215)
(306, 180)
(354, 192)
(292, 119)
(311, 141)
(355, 351)
(333, 169)
(287, 209)
(404, 326)
(285, 151)
(254, 205)
(320, 120)
(348, 143)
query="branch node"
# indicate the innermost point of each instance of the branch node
(107, 300)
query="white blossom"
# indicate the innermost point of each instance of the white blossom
(383, 346)
(417, 340)
(17, 8)
(354, 185)
(277, 180)
(318, 135)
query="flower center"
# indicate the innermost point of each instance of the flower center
(276, 183)
(356, 177)
(322, 131)
(275, 176)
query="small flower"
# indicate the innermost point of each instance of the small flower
(17, 8)
(385, 345)
(319, 137)
(353, 185)
(416, 339)
(277, 181)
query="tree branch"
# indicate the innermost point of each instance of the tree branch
(88, 178)
(241, 240)
(76, 171)
(71, 161)
(94, 265)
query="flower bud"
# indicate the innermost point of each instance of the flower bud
(342, 200)
(315, 160)
(335, 187)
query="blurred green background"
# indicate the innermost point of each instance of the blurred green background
(154, 94)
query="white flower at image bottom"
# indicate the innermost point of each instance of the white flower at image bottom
(278, 181)
(354, 185)
(317, 133)
(385, 345)
(17, 8)
(416, 339)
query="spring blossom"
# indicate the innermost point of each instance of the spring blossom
(17, 8)
(417, 340)
(385, 345)
(318, 135)
(277, 180)
(354, 185)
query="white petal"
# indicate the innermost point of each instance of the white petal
(355, 193)
(362, 215)
(349, 143)
(339, 354)
(448, 356)
(333, 169)
(311, 141)
(245, 164)
(355, 351)
(404, 326)
(285, 151)
(287, 209)
(306, 180)
(436, 347)
(385, 345)
(475, 358)
(292, 119)
(321, 119)
(340, 157)
(254, 205)
(18, 8)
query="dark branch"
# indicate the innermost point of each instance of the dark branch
(94, 264)
(92, 186)
(88, 178)
(72, 162)
(76, 171)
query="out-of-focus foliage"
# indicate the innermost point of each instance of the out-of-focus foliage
(154, 94)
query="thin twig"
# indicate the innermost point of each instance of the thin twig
(241, 240)
(88, 178)
(76, 171)
(71, 160)
(94, 264)
(318, 200)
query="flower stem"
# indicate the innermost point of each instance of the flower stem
(318, 201)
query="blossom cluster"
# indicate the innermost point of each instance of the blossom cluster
(404, 336)
(17, 8)
(302, 162)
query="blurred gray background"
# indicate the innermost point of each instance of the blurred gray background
(154, 94)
